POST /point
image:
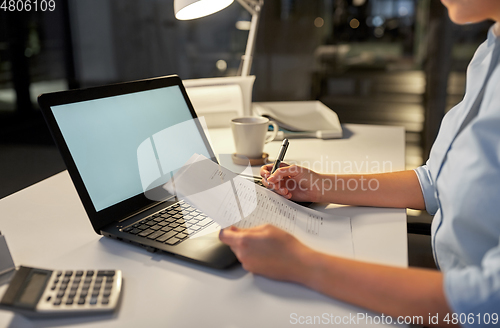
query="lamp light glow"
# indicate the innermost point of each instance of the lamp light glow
(192, 9)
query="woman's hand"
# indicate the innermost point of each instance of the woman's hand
(268, 251)
(293, 182)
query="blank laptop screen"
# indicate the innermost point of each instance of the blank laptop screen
(104, 135)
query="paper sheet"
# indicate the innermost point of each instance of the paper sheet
(230, 199)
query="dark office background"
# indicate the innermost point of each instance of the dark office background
(393, 62)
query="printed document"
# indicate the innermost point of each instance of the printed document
(229, 199)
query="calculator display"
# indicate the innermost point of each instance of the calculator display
(33, 289)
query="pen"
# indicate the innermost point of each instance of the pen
(281, 156)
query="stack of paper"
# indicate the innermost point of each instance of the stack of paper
(301, 119)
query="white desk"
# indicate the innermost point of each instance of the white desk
(46, 226)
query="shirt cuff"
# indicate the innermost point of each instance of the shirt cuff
(474, 294)
(428, 190)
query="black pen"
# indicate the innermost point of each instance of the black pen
(281, 155)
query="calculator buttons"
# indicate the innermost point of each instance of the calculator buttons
(81, 291)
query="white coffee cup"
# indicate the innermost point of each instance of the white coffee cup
(250, 135)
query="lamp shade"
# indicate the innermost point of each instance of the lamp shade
(191, 9)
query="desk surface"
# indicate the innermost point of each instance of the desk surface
(46, 226)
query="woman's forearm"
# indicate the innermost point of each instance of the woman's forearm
(389, 290)
(395, 189)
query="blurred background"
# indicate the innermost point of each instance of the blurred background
(392, 62)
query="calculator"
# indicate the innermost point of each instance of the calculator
(38, 292)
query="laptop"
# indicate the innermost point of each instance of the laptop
(120, 144)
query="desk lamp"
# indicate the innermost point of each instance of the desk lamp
(192, 9)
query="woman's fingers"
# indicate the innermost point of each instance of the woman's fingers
(264, 250)
(232, 235)
(265, 171)
(279, 187)
(229, 235)
(234, 228)
(278, 181)
(283, 172)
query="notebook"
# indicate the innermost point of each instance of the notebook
(120, 144)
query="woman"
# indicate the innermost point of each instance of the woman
(460, 184)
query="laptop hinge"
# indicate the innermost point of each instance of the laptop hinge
(145, 209)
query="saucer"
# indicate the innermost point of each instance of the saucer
(242, 160)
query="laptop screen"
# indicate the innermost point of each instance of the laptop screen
(105, 136)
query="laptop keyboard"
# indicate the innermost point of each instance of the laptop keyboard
(172, 225)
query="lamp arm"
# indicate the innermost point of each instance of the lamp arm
(251, 6)
(254, 7)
